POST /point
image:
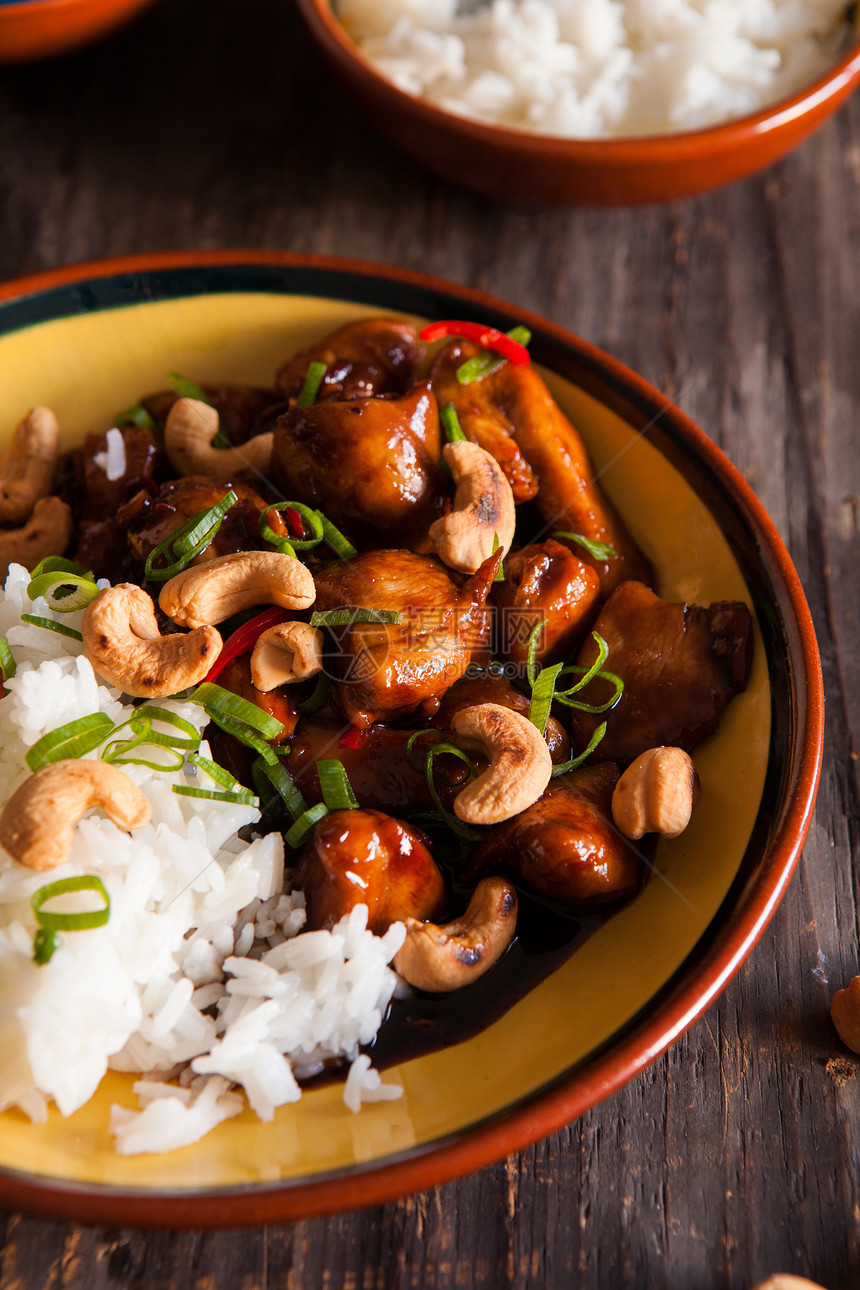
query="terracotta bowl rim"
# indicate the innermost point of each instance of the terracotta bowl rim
(736, 928)
(638, 149)
(17, 7)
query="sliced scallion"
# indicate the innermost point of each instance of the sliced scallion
(588, 674)
(312, 382)
(597, 550)
(240, 797)
(531, 656)
(345, 617)
(335, 539)
(50, 626)
(577, 761)
(180, 548)
(289, 546)
(295, 836)
(441, 749)
(187, 389)
(74, 739)
(451, 424)
(136, 415)
(59, 564)
(283, 783)
(51, 922)
(246, 735)
(475, 369)
(317, 697)
(335, 786)
(543, 693)
(64, 592)
(8, 666)
(219, 702)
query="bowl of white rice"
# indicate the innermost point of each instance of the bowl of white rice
(172, 1065)
(591, 101)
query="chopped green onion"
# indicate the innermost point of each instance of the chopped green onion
(543, 692)
(59, 564)
(289, 546)
(335, 786)
(283, 783)
(295, 836)
(588, 675)
(475, 369)
(577, 761)
(335, 539)
(220, 774)
(188, 541)
(246, 735)
(50, 922)
(50, 626)
(64, 592)
(344, 617)
(143, 734)
(597, 550)
(317, 698)
(74, 739)
(241, 797)
(313, 380)
(443, 748)
(451, 424)
(172, 719)
(136, 415)
(531, 656)
(219, 702)
(7, 662)
(187, 389)
(500, 572)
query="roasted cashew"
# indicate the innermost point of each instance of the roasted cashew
(285, 654)
(46, 532)
(656, 794)
(783, 1281)
(37, 822)
(441, 959)
(27, 470)
(125, 647)
(520, 763)
(845, 1014)
(188, 433)
(483, 513)
(211, 592)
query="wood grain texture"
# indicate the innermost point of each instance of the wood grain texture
(738, 1153)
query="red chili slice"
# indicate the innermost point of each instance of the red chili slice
(489, 337)
(353, 738)
(245, 638)
(294, 523)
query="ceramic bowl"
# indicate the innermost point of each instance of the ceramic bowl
(40, 28)
(91, 339)
(519, 166)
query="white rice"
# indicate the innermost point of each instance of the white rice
(201, 980)
(595, 68)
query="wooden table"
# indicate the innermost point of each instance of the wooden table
(736, 1154)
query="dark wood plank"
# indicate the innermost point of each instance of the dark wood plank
(736, 1154)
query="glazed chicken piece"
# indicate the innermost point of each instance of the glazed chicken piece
(512, 414)
(244, 411)
(279, 703)
(372, 356)
(385, 671)
(680, 664)
(544, 583)
(101, 538)
(366, 857)
(149, 521)
(565, 846)
(370, 464)
(486, 688)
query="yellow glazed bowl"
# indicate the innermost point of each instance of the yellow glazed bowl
(90, 340)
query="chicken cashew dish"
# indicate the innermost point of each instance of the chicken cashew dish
(422, 642)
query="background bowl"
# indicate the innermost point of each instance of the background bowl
(40, 28)
(90, 339)
(517, 165)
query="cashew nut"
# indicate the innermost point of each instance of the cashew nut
(483, 511)
(845, 1014)
(188, 433)
(27, 470)
(125, 647)
(211, 592)
(656, 794)
(520, 763)
(46, 532)
(286, 653)
(38, 820)
(783, 1281)
(441, 959)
